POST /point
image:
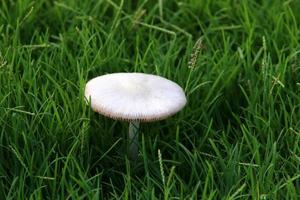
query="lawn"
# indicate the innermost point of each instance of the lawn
(238, 136)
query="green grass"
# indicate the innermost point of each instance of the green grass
(237, 138)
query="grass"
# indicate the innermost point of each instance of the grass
(237, 138)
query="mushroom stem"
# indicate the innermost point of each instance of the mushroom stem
(133, 139)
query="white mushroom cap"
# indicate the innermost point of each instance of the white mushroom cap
(135, 96)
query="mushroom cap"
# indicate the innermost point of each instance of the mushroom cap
(134, 96)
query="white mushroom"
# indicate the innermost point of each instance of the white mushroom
(134, 97)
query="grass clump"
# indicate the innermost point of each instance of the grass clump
(237, 138)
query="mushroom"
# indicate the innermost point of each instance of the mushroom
(134, 97)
